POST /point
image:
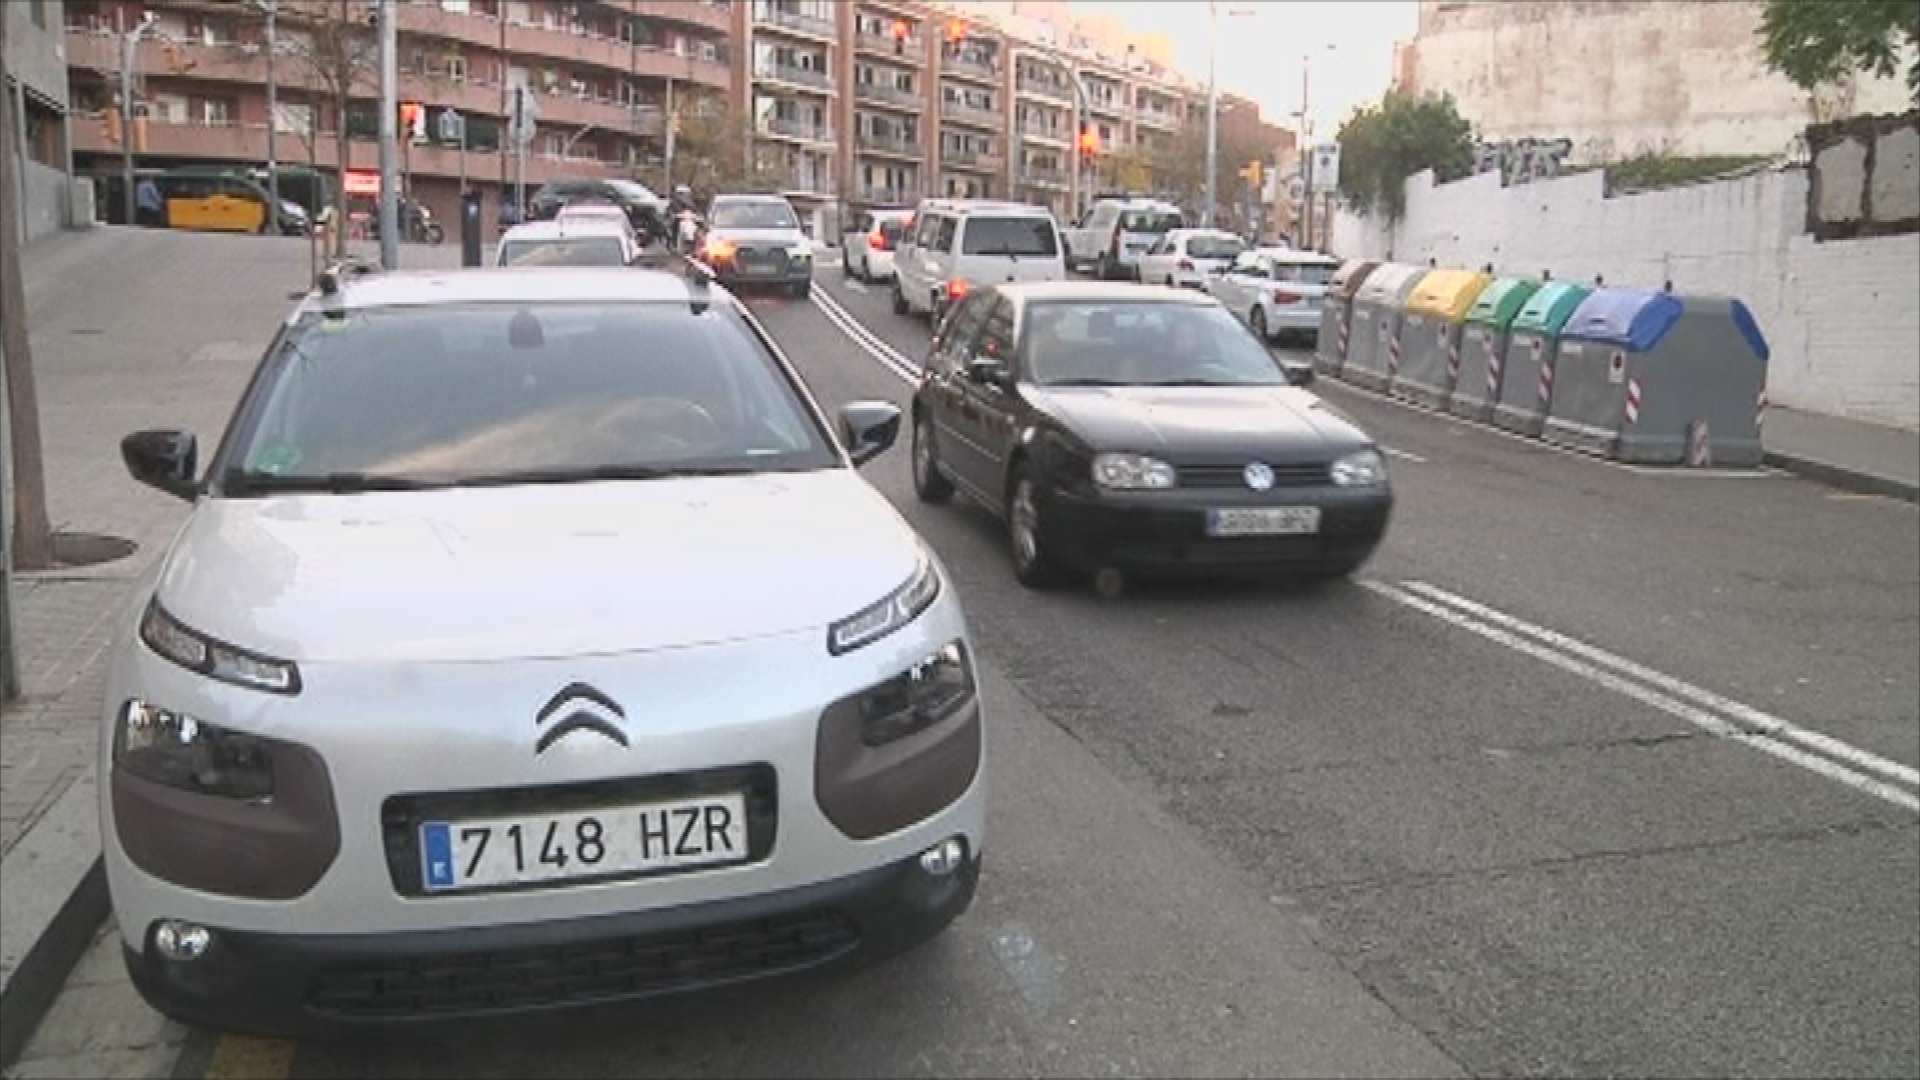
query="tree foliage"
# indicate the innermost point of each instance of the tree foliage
(336, 59)
(714, 152)
(1381, 145)
(1817, 43)
(1180, 168)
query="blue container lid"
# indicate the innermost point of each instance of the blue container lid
(1629, 317)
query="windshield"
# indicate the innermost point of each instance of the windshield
(630, 190)
(576, 251)
(1123, 343)
(1215, 247)
(754, 215)
(1021, 236)
(498, 393)
(1303, 273)
(1149, 221)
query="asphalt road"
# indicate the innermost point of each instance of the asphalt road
(1495, 808)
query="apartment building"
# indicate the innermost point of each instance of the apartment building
(604, 75)
(35, 92)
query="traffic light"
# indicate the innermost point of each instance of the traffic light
(900, 33)
(956, 32)
(110, 125)
(1254, 171)
(1089, 143)
(413, 121)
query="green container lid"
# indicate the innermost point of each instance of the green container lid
(1549, 308)
(1501, 301)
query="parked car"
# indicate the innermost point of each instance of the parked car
(757, 240)
(958, 244)
(531, 641)
(646, 210)
(1186, 258)
(567, 243)
(868, 246)
(1142, 429)
(1278, 291)
(1115, 232)
(607, 213)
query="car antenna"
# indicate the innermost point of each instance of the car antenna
(336, 275)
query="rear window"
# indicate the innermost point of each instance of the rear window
(1020, 236)
(578, 251)
(1303, 273)
(1215, 247)
(1149, 221)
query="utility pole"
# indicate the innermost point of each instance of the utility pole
(128, 45)
(389, 137)
(273, 110)
(1213, 112)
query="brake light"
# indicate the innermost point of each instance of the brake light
(1186, 264)
(956, 289)
(877, 240)
(718, 249)
(1285, 296)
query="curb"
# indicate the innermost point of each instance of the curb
(54, 893)
(1838, 476)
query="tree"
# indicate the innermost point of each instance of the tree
(338, 56)
(713, 151)
(1817, 43)
(1180, 168)
(32, 544)
(1381, 145)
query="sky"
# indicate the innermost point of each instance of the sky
(1261, 51)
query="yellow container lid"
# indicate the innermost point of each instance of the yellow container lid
(1448, 294)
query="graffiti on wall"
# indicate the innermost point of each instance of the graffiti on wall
(1522, 161)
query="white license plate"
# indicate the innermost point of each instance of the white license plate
(1263, 521)
(605, 842)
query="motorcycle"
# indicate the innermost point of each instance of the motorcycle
(687, 232)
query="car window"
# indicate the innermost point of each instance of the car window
(1021, 236)
(490, 392)
(1249, 264)
(943, 234)
(572, 251)
(958, 333)
(1130, 343)
(1215, 247)
(891, 230)
(754, 215)
(1303, 273)
(1150, 221)
(928, 231)
(996, 333)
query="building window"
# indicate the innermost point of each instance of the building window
(293, 119)
(458, 7)
(169, 108)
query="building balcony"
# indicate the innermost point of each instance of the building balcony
(780, 127)
(803, 25)
(962, 113)
(795, 76)
(1046, 89)
(898, 146)
(1043, 176)
(879, 195)
(986, 161)
(911, 51)
(1040, 133)
(971, 67)
(881, 93)
(1111, 107)
(714, 15)
(1164, 119)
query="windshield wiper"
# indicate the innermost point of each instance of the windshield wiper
(254, 482)
(1091, 382)
(586, 474)
(1208, 382)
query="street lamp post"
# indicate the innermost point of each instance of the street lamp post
(127, 46)
(1213, 106)
(389, 138)
(272, 8)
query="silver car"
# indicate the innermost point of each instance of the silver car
(757, 240)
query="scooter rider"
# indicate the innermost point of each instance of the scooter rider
(686, 218)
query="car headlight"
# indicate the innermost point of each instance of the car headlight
(799, 251)
(181, 752)
(195, 651)
(917, 698)
(1364, 468)
(889, 613)
(1131, 472)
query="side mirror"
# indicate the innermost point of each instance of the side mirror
(868, 428)
(1298, 374)
(988, 371)
(168, 460)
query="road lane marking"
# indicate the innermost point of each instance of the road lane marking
(1403, 455)
(1711, 723)
(244, 1056)
(1745, 715)
(866, 339)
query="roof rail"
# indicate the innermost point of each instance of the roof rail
(696, 274)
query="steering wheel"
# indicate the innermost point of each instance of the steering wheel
(676, 419)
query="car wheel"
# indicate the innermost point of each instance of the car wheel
(803, 290)
(1033, 562)
(1104, 268)
(928, 485)
(1334, 570)
(846, 266)
(899, 299)
(1257, 320)
(937, 308)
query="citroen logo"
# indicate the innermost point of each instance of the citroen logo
(585, 709)
(1259, 476)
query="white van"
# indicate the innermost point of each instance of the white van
(1115, 232)
(956, 244)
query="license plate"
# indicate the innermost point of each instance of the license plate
(605, 842)
(1263, 521)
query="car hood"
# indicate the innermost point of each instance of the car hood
(791, 237)
(1278, 423)
(487, 574)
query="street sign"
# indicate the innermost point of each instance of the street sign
(1326, 168)
(452, 126)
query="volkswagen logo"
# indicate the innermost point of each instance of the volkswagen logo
(1259, 476)
(579, 707)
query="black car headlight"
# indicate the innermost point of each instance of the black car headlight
(1132, 472)
(1362, 469)
(888, 614)
(917, 698)
(179, 751)
(189, 648)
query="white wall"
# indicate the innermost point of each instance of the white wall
(1841, 316)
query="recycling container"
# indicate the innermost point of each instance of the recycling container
(1373, 346)
(1533, 345)
(1430, 335)
(1336, 314)
(1483, 347)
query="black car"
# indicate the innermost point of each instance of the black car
(646, 210)
(1141, 429)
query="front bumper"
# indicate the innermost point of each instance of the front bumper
(1166, 532)
(783, 270)
(1293, 320)
(308, 985)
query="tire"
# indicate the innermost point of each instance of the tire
(928, 485)
(866, 271)
(899, 299)
(1105, 269)
(1257, 322)
(846, 266)
(802, 290)
(1033, 564)
(937, 309)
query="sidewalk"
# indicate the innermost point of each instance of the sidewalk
(1845, 453)
(131, 329)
